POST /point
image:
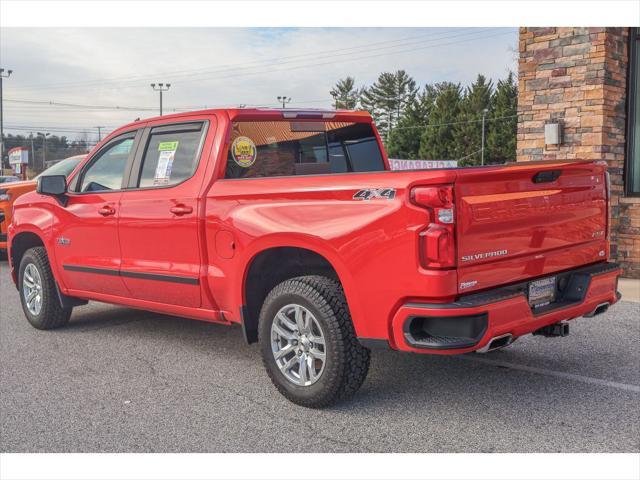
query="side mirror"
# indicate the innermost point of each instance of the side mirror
(54, 185)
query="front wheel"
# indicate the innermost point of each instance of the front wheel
(308, 344)
(38, 293)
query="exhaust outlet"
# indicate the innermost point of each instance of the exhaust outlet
(603, 307)
(495, 343)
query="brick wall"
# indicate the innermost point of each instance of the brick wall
(577, 77)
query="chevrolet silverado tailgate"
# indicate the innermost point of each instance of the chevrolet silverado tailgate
(528, 220)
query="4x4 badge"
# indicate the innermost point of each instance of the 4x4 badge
(63, 241)
(372, 193)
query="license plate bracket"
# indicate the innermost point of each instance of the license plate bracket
(542, 292)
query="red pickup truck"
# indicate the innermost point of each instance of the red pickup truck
(290, 224)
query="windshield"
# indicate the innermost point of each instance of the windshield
(64, 167)
(283, 148)
(8, 179)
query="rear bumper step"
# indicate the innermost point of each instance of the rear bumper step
(493, 319)
(446, 332)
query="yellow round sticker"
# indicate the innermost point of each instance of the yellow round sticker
(244, 151)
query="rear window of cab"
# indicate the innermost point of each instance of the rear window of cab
(285, 148)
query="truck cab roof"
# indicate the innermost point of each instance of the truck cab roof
(264, 114)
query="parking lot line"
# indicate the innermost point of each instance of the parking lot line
(552, 373)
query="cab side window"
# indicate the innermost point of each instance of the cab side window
(107, 170)
(171, 155)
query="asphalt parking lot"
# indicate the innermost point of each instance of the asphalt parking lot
(118, 380)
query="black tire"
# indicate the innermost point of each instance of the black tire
(347, 361)
(51, 314)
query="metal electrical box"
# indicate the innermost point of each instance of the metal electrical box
(552, 134)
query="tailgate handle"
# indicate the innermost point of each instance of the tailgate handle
(546, 176)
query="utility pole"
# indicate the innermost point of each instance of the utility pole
(100, 134)
(33, 152)
(161, 87)
(335, 100)
(484, 114)
(44, 148)
(2, 76)
(284, 100)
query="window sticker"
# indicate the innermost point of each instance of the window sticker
(165, 163)
(244, 151)
(166, 146)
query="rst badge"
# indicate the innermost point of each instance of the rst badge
(374, 193)
(63, 241)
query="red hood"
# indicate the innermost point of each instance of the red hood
(12, 185)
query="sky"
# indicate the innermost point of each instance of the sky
(68, 81)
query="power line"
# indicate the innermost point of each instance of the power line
(131, 108)
(332, 56)
(91, 130)
(247, 65)
(333, 61)
(469, 156)
(44, 105)
(454, 123)
(98, 107)
(69, 144)
(328, 54)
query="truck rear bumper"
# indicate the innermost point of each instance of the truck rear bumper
(473, 321)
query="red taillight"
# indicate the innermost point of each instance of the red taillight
(437, 241)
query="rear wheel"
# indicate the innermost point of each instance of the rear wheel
(38, 293)
(308, 344)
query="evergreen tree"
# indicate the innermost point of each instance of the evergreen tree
(345, 94)
(501, 132)
(387, 99)
(438, 141)
(468, 132)
(404, 140)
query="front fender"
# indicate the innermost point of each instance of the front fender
(36, 219)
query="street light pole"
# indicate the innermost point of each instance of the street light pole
(161, 87)
(2, 76)
(284, 100)
(484, 114)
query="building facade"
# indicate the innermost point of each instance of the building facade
(586, 81)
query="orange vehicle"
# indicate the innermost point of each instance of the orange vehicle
(10, 191)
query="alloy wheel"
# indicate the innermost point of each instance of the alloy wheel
(298, 345)
(32, 289)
